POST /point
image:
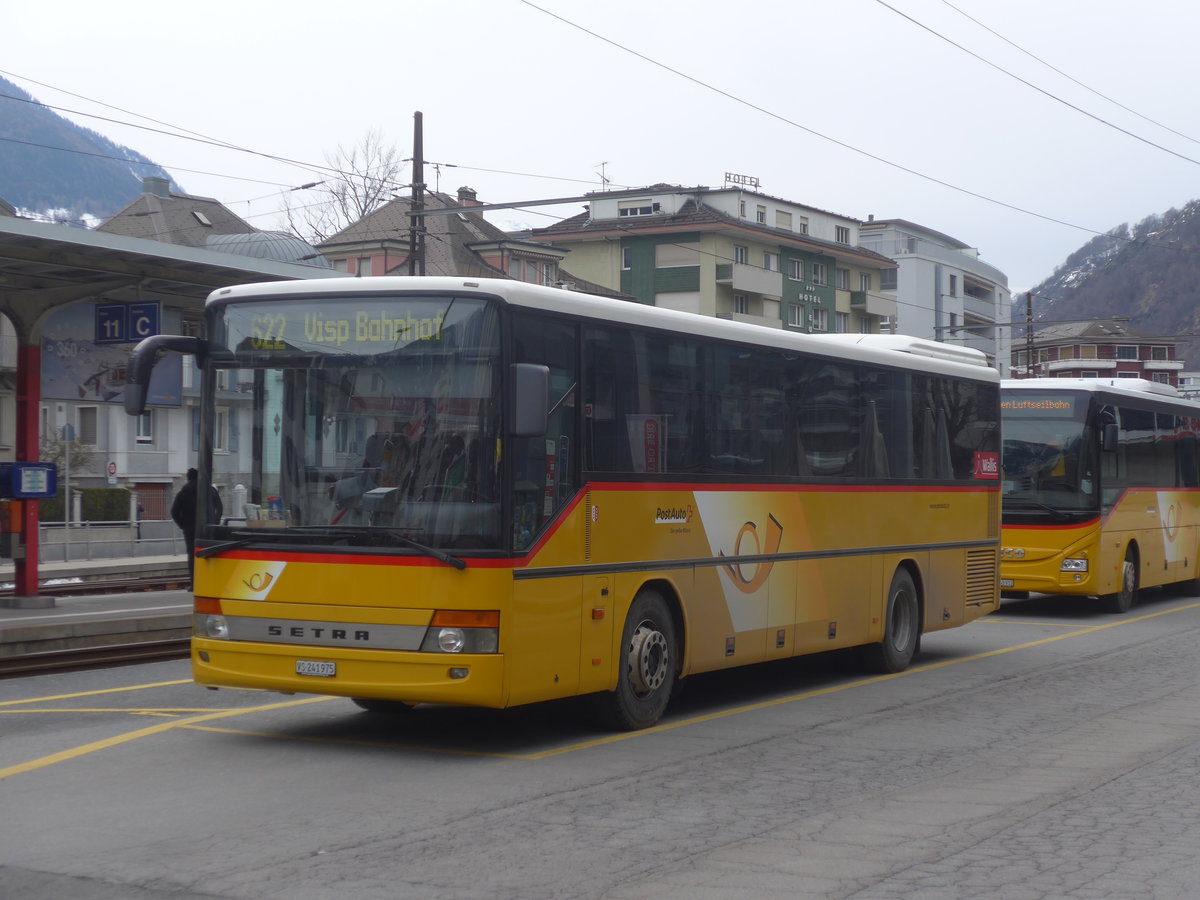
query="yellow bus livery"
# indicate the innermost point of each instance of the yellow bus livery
(481, 492)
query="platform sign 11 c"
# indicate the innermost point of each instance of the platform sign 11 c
(126, 323)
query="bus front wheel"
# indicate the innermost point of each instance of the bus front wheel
(1122, 600)
(901, 627)
(648, 665)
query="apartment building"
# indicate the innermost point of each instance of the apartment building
(730, 252)
(943, 290)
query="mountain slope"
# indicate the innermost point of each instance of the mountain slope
(1150, 273)
(52, 168)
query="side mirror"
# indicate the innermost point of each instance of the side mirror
(141, 365)
(1109, 437)
(529, 399)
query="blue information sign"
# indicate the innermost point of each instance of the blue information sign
(125, 323)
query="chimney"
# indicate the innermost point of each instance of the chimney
(159, 187)
(466, 197)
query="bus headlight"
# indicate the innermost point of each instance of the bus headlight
(210, 626)
(463, 631)
(1074, 565)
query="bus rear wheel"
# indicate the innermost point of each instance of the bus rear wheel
(901, 628)
(648, 665)
(1122, 600)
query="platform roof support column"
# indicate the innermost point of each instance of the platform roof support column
(29, 401)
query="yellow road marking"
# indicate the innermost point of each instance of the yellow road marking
(195, 722)
(133, 710)
(1021, 622)
(119, 739)
(117, 690)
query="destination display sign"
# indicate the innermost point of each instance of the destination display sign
(356, 326)
(1031, 405)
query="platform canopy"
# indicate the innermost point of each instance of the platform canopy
(44, 266)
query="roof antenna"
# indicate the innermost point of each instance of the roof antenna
(604, 182)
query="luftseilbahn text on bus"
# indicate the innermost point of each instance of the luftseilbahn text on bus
(1101, 480)
(489, 493)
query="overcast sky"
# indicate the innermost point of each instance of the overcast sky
(844, 105)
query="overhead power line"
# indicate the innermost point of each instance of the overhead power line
(1031, 85)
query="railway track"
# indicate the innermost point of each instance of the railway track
(168, 642)
(70, 588)
(92, 657)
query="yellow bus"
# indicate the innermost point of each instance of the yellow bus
(483, 492)
(1101, 481)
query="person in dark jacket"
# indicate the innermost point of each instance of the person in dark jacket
(183, 513)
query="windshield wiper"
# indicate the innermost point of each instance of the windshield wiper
(214, 549)
(1037, 504)
(433, 552)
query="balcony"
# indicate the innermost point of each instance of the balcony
(1162, 365)
(750, 279)
(872, 303)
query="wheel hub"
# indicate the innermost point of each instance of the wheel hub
(648, 659)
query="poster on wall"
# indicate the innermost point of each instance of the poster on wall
(75, 367)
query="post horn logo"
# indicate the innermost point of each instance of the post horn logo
(774, 535)
(259, 581)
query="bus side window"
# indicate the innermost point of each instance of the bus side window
(544, 466)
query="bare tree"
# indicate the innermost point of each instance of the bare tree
(367, 176)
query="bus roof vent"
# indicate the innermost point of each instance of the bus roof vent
(1141, 384)
(916, 346)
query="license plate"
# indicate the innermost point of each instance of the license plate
(313, 667)
(1006, 582)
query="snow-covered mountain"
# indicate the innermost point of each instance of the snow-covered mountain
(52, 169)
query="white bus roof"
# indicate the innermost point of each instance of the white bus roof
(1128, 387)
(891, 350)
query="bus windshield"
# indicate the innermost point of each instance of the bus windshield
(1050, 452)
(374, 420)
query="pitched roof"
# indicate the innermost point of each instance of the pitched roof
(696, 216)
(1100, 330)
(160, 215)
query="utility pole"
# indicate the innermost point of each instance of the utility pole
(1029, 334)
(416, 227)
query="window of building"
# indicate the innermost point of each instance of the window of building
(770, 261)
(1129, 375)
(145, 427)
(864, 325)
(740, 304)
(549, 273)
(841, 234)
(819, 273)
(887, 279)
(86, 419)
(635, 208)
(843, 279)
(1127, 351)
(864, 281)
(626, 257)
(761, 214)
(796, 269)
(783, 219)
(1161, 377)
(740, 254)
(742, 208)
(953, 285)
(340, 265)
(1086, 373)
(221, 430)
(1087, 351)
(1160, 353)
(802, 224)
(820, 319)
(841, 322)
(364, 266)
(795, 316)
